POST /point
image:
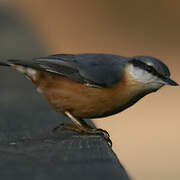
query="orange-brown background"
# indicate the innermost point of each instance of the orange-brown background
(146, 136)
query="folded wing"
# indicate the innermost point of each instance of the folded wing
(97, 70)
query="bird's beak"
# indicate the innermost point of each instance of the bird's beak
(169, 81)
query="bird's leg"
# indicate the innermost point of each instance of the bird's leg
(82, 127)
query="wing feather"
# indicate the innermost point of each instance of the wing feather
(98, 70)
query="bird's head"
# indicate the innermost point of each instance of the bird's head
(150, 72)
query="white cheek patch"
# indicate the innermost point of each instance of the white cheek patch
(141, 75)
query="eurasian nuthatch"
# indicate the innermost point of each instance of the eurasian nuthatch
(93, 85)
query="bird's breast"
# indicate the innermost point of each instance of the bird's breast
(84, 101)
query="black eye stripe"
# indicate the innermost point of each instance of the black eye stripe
(146, 67)
(150, 69)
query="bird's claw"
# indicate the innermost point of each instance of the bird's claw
(105, 134)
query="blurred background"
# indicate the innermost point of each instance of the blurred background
(145, 136)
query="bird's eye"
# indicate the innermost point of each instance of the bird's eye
(150, 69)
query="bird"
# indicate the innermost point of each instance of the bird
(93, 85)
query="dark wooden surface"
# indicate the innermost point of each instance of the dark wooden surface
(64, 155)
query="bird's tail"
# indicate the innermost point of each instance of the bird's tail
(4, 63)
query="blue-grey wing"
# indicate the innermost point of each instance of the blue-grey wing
(104, 70)
(98, 70)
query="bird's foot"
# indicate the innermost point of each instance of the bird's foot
(85, 130)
